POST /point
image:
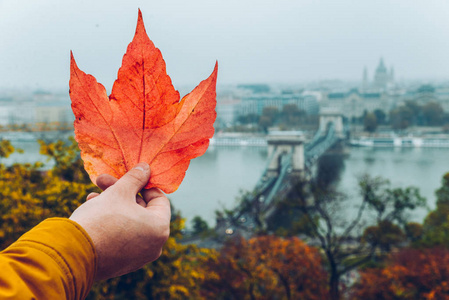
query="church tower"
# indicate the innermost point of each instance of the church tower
(381, 77)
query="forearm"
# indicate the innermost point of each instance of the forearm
(54, 260)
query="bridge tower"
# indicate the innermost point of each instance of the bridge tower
(330, 116)
(282, 143)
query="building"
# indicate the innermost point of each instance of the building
(227, 110)
(353, 104)
(37, 110)
(427, 93)
(55, 113)
(381, 76)
(13, 114)
(254, 104)
(383, 79)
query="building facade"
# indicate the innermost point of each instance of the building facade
(354, 104)
(255, 104)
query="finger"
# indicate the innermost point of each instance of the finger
(133, 181)
(157, 201)
(105, 180)
(140, 201)
(91, 195)
(152, 193)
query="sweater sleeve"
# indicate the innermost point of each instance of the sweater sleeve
(54, 260)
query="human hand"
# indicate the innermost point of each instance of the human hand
(127, 230)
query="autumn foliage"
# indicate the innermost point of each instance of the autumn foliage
(408, 274)
(263, 267)
(143, 119)
(266, 267)
(28, 194)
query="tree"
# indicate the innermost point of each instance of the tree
(269, 117)
(6, 148)
(66, 157)
(409, 274)
(411, 113)
(265, 122)
(401, 118)
(272, 112)
(370, 122)
(384, 235)
(347, 243)
(199, 225)
(248, 119)
(433, 114)
(28, 194)
(291, 115)
(436, 224)
(380, 116)
(266, 267)
(413, 232)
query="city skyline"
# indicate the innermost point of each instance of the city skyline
(254, 42)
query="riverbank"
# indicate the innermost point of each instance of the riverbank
(33, 136)
(416, 137)
(239, 139)
(402, 142)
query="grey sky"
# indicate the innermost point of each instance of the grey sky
(254, 41)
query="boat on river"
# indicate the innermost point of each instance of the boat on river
(235, 141)
(401, 142)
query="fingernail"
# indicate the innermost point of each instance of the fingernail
(142, 166)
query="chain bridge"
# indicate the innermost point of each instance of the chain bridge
(290, 157)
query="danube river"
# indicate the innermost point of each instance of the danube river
(419, 167)
(215, 180)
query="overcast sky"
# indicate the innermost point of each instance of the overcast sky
(276, 41)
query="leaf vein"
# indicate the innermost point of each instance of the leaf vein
(104, 119)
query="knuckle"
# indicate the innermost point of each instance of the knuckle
(160, 236)
(163, 236)
(166, 235)
(134, 178)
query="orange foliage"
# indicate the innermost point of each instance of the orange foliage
(142, 119)
(409, 274)
(266, 267)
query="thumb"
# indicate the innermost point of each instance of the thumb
(134, 180)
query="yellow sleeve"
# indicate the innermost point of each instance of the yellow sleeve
(54, 260)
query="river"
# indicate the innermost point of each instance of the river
(419, 167)
(214, 180)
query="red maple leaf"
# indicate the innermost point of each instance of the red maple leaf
(142, 119)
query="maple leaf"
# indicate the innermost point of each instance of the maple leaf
(142, 119)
